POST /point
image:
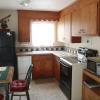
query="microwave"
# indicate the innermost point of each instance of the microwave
(93, 64)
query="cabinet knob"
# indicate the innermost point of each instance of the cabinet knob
(82, 31)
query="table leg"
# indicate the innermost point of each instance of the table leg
(6, 88)
(7, 91)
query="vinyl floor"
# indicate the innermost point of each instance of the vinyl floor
(44, 89)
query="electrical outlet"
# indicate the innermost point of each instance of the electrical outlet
(88, 41)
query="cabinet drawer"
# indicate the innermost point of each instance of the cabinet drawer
(42, 57)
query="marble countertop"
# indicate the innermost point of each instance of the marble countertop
(57, 53)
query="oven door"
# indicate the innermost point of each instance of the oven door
(66, 78)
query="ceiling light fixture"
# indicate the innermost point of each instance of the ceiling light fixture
(25, 3)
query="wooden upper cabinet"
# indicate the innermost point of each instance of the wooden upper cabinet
(60, 29)
(68, 27)
(76, 22)
(85, 18)
(23, 28)
(89, 18)
(65, 30)
(71, 16)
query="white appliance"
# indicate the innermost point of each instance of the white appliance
(71, 75)
(23, 64)
(84, 52)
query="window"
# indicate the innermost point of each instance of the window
(43, 33)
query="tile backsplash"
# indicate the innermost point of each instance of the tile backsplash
(29, 49)
(89, 42)
(51, 48)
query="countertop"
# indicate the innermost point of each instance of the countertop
(63, 54)
(57, 53)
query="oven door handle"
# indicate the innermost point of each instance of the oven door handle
(68, 66)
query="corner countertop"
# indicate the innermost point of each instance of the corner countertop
(57, 53)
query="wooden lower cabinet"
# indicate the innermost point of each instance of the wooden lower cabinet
(56, 68)
(90, 93)
(43, 66)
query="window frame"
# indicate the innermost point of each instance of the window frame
(55, 31)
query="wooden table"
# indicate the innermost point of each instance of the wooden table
(4, 82)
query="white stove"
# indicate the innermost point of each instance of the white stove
(70, 60)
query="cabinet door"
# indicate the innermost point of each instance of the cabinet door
(93, 19)
(72, 27)
(89, 19)
(38, 69)
(48, 65)
(38, 62)
(48, 68)
(85, 20)
(23, 28)
(68, 28)
(76, 22)
(43, 66)
(60, 30)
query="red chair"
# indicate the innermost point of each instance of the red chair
(1, 97)
(21, 85)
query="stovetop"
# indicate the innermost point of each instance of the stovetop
(69, 60)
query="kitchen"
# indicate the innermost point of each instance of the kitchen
(69, 35)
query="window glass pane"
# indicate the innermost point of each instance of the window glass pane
(43, 33)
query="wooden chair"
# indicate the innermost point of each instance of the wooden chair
(21, 85)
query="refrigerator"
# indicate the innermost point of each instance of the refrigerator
(8, 51)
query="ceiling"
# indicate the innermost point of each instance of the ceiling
(42, 5)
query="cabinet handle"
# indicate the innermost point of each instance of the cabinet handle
(83, 31)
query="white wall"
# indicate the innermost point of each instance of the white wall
(88, 41)
(13, 20)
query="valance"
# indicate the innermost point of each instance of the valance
(38, 15)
